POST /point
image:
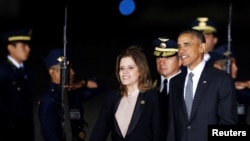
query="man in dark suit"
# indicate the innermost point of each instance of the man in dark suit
(16, 98)
(212, 100)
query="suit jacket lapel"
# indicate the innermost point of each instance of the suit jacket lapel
(157, 83)
(176, 92)
(116, 104)
(141, 101)
(180, 88)
(200, 90)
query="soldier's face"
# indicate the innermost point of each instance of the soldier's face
(71, 75)
(20, 51)
(168, 66)
(55, 74)
(211, 41)
(234, 67)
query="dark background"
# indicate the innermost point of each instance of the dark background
(97, 32)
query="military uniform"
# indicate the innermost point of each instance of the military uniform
(16, 96)
(51, 112)
(242, 95)
(164, 48)
(209, 28)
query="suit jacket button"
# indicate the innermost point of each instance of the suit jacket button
(189, 127)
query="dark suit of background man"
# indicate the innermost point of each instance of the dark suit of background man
(214, 97)
(16, 97)
(50, 108)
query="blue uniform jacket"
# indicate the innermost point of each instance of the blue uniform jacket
(49, 110)
(16, 101)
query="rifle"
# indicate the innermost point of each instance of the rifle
(66, 124)
(228, 67)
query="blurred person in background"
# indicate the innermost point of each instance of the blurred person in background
(210, 30)
(17, 83)
(225, 61)
(50, 104)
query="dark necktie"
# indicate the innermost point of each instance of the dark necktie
(165, 87)
(22, 72)
(189, 94)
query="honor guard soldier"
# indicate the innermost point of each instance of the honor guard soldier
(210, 29)
(16, 98)
(50, 108)
(242, 93)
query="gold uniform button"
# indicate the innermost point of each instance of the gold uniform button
(18, 89)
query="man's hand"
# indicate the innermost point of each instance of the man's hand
(80, 84)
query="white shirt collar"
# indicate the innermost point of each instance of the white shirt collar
(18, 65)
(197, 73)
(163, 78)
(198, 69)
(207, 56)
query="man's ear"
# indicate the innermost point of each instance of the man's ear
(51, 72)
(10, 48)
(215, 40)
(203, 47)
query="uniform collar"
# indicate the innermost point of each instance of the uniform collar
(14, 62)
